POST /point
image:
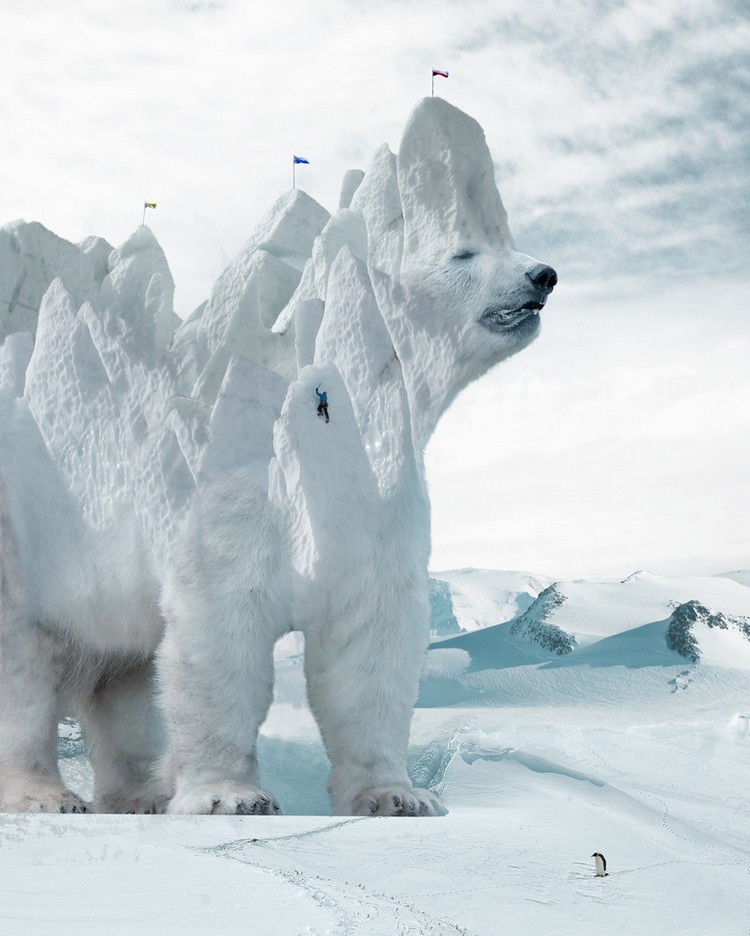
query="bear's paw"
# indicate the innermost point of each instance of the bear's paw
(141, 803)
(224, 799)
(397, 801)
(44, 800)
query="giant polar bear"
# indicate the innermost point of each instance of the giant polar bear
(412, 291)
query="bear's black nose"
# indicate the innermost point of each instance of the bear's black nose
(543, 276)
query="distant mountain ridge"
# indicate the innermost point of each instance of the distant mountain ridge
(479, 598)
(739, 575)
(558, 619)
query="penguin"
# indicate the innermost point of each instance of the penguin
(601, 864)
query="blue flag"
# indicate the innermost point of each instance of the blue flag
(301, 159)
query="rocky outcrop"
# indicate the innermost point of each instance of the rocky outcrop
(535, 626)
(681, 627)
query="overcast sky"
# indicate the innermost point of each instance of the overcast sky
(620, 132)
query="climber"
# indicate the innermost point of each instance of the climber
(323, 404)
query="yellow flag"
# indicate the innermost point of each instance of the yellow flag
(149, 204)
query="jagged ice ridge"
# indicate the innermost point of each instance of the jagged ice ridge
(170, 500)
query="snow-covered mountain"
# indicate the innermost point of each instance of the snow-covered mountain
(584, 612)
(562, 641)
(739, 575)
(476, 598)
(697, 633)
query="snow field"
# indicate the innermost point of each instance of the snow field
(656, 780)
(532, 793)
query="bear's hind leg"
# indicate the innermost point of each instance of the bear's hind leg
(31, 669)
(225, 607)
(125, 736)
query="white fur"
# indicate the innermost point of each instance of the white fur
(326, 530)
(226, 605)
(79, 624)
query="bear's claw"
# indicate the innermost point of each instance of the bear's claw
(387, 801)
(225, 800)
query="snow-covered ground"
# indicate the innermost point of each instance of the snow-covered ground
(629, 749)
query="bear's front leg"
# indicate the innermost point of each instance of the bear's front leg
(362, 680)
(215, 703)
(215, 693)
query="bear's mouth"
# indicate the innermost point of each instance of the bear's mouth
(498, 319)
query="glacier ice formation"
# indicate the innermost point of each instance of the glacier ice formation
(170, 504)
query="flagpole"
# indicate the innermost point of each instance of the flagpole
(146, 205)
(437, 71)
(295, 160)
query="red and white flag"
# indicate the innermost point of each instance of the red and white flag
(436, 71)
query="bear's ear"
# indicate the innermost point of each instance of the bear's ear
(447, 184)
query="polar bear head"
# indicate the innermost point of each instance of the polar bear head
(457, 297)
